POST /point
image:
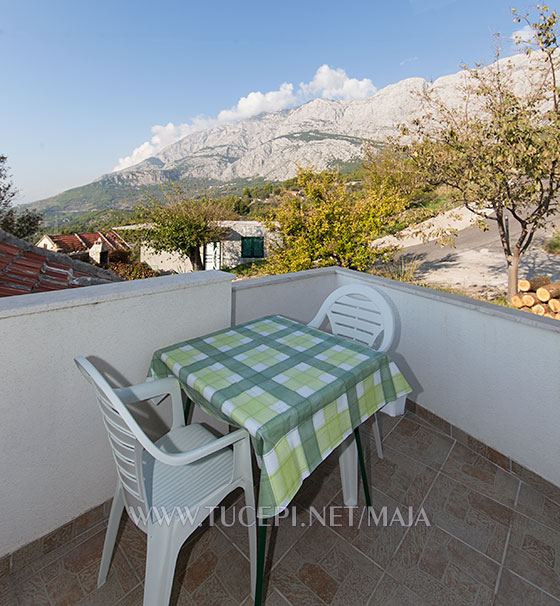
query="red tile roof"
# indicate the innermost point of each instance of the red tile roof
(24, 271)
(69, 243)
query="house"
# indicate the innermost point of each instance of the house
(98, 246)
(244, 242)
(27, 269)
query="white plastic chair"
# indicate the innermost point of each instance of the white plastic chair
(178, 479)
(359, 313)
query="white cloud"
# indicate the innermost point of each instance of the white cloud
(162, 137)
(409, 60)
(256, 103)
(332, 83)
(327, 83)
(524, 35)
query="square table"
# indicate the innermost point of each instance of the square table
(298, 391)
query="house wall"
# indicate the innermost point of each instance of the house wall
(230, 249)
(45, 242)
(55, 460)
(165, 261)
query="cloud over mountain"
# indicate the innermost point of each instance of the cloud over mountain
(327, 83)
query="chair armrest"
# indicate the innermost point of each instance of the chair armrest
(169, 386)
(184, 458)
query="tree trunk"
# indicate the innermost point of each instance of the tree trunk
(195, 258)
(513, 271)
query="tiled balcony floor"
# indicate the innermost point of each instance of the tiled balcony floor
(493, 539)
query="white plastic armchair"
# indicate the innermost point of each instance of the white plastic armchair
(359, 313)
(169, 486)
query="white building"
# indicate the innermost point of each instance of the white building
(244, 242)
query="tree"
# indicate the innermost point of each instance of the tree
(498, 151)
(180, 224)
(329, 225)
(22, 224)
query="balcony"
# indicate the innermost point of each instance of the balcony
(478, 450)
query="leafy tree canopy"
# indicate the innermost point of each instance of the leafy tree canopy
(498, 151)
(22, 224)
(330, 225)
(177, 223)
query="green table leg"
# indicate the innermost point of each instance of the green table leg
(261, 551)
(362, 466)
(187, 410)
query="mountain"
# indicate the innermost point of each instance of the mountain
(321, 133)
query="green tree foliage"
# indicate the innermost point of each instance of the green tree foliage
(22, 224)
(137, 270)
(180, 224)
(499, 151)
(330, 225)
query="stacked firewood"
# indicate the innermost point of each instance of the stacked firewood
(539, 296)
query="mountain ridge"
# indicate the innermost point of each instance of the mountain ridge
(322, 133)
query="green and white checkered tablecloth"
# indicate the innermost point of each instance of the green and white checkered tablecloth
(298, 391)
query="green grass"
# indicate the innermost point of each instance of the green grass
(552, 245)
(246, 270)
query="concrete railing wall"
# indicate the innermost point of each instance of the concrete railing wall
(297, 296)
(490, 370)
(55, 461)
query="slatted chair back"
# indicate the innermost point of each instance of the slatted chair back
(359, 313)
(122, 431)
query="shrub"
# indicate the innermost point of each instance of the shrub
(133, 271)
(552, 245)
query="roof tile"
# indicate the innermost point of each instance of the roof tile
(25, 271)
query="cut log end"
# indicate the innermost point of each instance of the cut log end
(541, 309)
(529, 299)
(545, 293)
(533, 284)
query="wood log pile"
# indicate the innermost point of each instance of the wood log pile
(539, 296)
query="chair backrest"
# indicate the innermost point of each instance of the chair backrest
(122, 430)
(359, 313)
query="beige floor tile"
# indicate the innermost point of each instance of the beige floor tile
(469, 515)
(420, 442)
(478, 473)
(534, 553)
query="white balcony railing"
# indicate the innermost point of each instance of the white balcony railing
(489, 370)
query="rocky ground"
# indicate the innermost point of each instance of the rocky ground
(476, 264)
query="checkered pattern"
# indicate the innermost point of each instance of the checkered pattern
(298, 391)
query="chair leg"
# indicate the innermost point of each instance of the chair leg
(362, 466)
(263, 524)
(348, 464)
(252, 528)
(377, 436)
(161, 559)
(111, 534)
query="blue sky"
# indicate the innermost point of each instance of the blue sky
(83, 84)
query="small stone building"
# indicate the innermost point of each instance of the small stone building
(244, 242)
